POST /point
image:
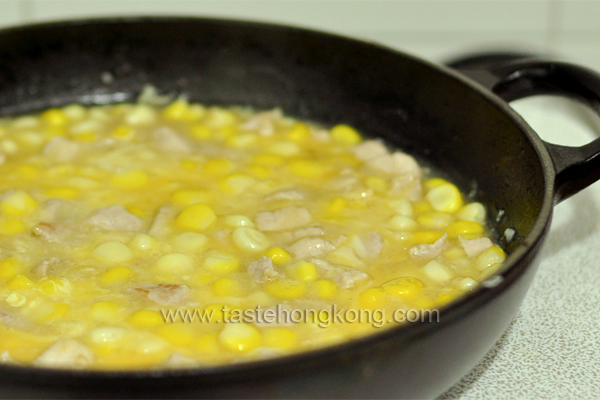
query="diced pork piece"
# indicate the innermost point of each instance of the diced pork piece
(285, 195)
(348, 279)
(403, 164)
(165, 139)
(428, 251)
(263, 122)
(60, 149)
(176, 360)
(373, 243)
(311, 247)
(343, 183)
(115, 218)
(65, 353)
(46, 267)
(310, 231)
(263, 270)
(370, 149)
(284, 219)
(323, 267)
(53, 209)
(161, 223)
(51, 233)
(475, 246)
(165, 294)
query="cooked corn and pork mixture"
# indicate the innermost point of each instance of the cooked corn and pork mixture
(116, 221)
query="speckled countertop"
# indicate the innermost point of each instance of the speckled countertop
(552, 348)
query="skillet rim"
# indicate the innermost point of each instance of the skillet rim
(511, 270)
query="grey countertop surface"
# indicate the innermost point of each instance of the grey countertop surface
(552, 348)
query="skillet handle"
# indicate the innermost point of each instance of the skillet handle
(513, 76)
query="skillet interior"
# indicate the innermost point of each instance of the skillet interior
(411, 104)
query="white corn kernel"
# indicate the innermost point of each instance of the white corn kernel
(190, 241)
(113, 252)
(437, 271)
(402, 223)
(250, 239)
(472, 212)
(238, 220)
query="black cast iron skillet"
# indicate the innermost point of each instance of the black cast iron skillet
(446, 120)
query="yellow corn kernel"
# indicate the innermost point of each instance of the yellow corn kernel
(176, 110)
(226, 287)
(116, 274)
(285, 290)
(402, 223)
(434, 220)
(12, 226)
(464, 228)
(345, 256)
(345, 135)
(123, 132)
(201, 132)
(299, 132)
(259, 171)
(178, 334)
(57, 311)
(491, 256)
(285, 148)
(28, 171)
(186, 197)
(242, 140)
(280, 338)
(472, 212)
(437, 271)
(227, 132)
(468, 284)
(445, 198)
(427, 237)
(405, 287)
(53, 131)
(146, 319)
(434, 182)
(337, 205)
(219, 117)
(175, 264)
(135, 179)
(9, 146)
(376, 183)
(190, 241)
(222, 263)
(197, 217)
(75, 112)
(326, 289)
(303, 271)
(105, 311)
(238, 220)
(447, 297)
(142, 242)
(18, 203)
(48, 286)
(268, 159)
(190, 165)
(207, 344)
(308, 169)
(218, 167)
(421, 207)
(55, 117)
(424, 303)
(240, 337)
(237, 183)
(372, 298)
(87, 136)
(62, 192)
(250, 239)
(113, 252)
(278, 255)
(20, 282)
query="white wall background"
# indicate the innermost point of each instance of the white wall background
(433, 29)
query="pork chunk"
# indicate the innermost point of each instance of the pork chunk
(65, 353)
(161, 223)
(165, 294)
(475, 246)
(60, 149)
(263, 270)
(311, 247)
(284, 219)
(348, 279)
(428, 251)
(165, 139)
(115, 218)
